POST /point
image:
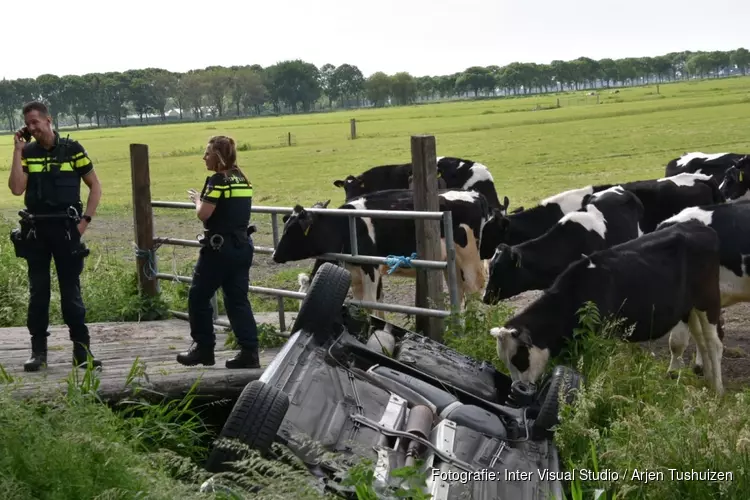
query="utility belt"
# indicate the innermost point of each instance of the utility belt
(216, 240)
(25, 237)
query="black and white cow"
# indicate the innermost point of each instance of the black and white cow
(608, 218)
(378, 178)
(736, 182)
(661, 199)
(453, 173)
(665, 197)
(731, 221)
(530, 223)
(469, 175)
(309, 234)
(713, 164)
(651, 283)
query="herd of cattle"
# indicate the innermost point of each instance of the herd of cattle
(664, 255)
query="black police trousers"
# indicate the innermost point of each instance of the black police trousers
(227, 268)
(51, 242)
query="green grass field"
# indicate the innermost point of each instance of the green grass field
(630, 414)
(531, 154)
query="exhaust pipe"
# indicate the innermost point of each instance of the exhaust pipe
(418, 424)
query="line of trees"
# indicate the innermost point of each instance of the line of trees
(153, 94)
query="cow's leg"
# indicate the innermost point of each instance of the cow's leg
(470, 268)
(365, 288)
(304, 285)
(714, 350)
(304, 282)
(460, 278)
(304, 279)
(357, 281)
(706, 345)
(679, 338)
(696, 331)
(372, 289)
(698, 363)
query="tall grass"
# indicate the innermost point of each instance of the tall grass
(73, 446)
(631, 419)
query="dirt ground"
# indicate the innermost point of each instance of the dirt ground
(114, 234)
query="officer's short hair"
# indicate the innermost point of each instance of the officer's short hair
(36, 106)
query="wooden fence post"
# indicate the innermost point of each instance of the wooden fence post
(353, 128)
(429, 292)
(143, 218)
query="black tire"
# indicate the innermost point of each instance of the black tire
(562, 379)
(321, 308)
(255, 419)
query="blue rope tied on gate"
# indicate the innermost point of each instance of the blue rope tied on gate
(395, 261)
(149, 268)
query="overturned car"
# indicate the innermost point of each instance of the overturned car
(370, 389)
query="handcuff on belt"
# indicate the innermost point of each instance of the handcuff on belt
(217, 240)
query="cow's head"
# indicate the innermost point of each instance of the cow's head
(304, 235)
(516, 350)
(507, 276)
(736, 182)
(493, 233)
(353, 186)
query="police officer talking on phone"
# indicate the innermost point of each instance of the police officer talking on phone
(224, 207)
(49, 171)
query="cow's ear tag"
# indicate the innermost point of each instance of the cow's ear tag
(741, 176)
(307, 230)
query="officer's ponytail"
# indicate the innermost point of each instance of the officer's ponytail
(226, 151)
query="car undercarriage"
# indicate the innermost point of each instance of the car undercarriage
(353, 388)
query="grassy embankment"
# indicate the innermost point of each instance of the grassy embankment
(630, 415)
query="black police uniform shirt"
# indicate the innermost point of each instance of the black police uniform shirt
(54, 176)
(232, 194)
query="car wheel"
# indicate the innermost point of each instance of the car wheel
(325, 297)
(254, 421)
(563, 379)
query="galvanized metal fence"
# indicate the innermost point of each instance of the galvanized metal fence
(354, 257)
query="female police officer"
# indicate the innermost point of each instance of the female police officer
(224, 259)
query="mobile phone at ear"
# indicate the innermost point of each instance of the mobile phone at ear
(26, 134)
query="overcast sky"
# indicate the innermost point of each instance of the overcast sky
(423, 37)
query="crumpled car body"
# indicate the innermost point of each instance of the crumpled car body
(367, 389)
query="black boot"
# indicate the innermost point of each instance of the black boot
(197, 355)
(38, 357)
(80, 356)
(246, 358)
(35, 362)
